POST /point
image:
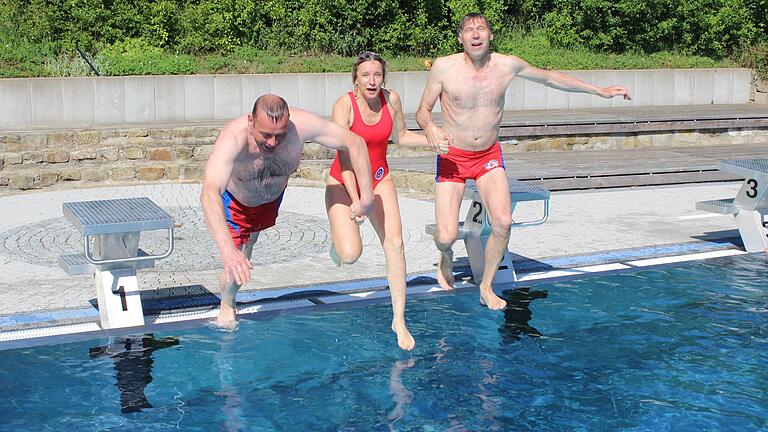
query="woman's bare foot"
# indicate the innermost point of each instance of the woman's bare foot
(445, 270)
(404, 338)
(227, 317)
(335, 259)
(490, 299)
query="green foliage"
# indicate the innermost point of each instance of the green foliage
(138, 57)
(253, 36)
(535, 47)
(20, 59)
(755, 57)
(210, 26)
(708, 27)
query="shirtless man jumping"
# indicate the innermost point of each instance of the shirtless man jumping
(246, 176)
(471, 87)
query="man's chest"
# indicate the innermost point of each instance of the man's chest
(474, 91)
(266, 168)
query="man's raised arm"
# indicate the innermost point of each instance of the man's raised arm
(335, 137)
(563, 81)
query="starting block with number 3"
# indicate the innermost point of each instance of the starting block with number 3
(750, 205)
(476, 227)
(111, 230)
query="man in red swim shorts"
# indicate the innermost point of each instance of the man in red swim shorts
(471, 87)
(246, 176)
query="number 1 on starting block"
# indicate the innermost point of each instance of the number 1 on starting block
(119, 300)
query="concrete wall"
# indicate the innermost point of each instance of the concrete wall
(94, 101)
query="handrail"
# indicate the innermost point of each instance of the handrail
(87, 249)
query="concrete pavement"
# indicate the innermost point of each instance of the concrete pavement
(33, 233)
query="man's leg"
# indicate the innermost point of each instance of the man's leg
(385, 219)
(447, 203)
(227, 313)
(494, 191)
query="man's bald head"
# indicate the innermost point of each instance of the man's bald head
(273, 106)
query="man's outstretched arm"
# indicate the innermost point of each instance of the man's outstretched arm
(565, 82)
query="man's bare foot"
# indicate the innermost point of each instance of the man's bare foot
(490, 299)
(227, 317)
(404, 338)
(445, 270)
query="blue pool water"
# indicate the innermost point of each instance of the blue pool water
(678, 348)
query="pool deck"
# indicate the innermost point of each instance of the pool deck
(584, 227)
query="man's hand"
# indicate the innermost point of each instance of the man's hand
(438, 140)
(355, 215)
(362, 207)
(617, 90)
(236, 267)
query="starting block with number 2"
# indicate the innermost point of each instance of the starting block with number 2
(476, 227)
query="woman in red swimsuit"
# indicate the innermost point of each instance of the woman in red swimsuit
(376, 114)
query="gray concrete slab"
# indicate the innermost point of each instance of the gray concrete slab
(33, 233)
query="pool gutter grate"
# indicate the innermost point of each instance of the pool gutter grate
(355, 295)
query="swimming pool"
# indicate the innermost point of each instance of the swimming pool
(675, 348)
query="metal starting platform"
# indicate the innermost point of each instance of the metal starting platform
(476, 227)
(750, 205)
(111, 231)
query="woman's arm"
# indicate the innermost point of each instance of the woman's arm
(342, 116)
(401, 134)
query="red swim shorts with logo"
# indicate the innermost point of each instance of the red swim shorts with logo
(243, 220)
(460, 165)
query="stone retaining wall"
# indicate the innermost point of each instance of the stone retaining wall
(759, 92)
(87, 157)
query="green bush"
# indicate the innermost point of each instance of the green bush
(755, 57)
(246, 36)
(707, 27)
(138, 57)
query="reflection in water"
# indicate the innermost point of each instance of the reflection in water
(518, 313)
(401, 396)
(490, 402)
(233, 402)
(133, 367)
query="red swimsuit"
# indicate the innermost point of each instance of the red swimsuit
(459, 165)
(376, 137)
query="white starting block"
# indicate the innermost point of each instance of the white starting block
(476, 228)
(751, 202)
(111, 230)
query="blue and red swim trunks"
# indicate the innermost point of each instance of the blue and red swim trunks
(460, 165)
(243, 220)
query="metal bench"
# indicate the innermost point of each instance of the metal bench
(476, 227)
(111, 231)
(750, 204)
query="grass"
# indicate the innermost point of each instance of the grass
(536, 49)
(29, 60)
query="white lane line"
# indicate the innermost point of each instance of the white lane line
(701, 216)
(250, 309)
(684, 258)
